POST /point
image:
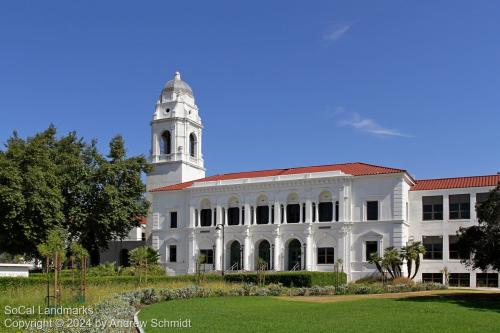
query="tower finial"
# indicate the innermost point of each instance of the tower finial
(177, 75)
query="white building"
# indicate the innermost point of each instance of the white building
(297, 218)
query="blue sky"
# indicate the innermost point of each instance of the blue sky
(279, 84)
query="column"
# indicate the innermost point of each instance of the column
(308, 211)
(316, 207)
(342, 204)
(254, 212)
(218, 251)
(191, 253)
(246, 251)
(247, 214)
(218, 214)
(346, 249)
(301, 212)
(224, 208)
(284, 214)
(277, 217)
(277, 253)
(309, 251)
(192, 217)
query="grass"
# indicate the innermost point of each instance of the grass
(450, 312)
(35, 296)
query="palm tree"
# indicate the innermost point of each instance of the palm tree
(411, 253)
(393, 259)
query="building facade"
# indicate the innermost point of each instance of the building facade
(306, 218)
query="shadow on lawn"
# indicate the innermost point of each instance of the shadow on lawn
(479, 301)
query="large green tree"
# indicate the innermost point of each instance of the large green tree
(480, 244)
(48, 182)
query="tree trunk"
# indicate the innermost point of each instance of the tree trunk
(417, 266)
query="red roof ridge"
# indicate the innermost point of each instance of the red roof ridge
(459, 177)
(349, 168)
(456, 182)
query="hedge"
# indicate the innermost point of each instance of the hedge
(16, 282)
(287, 279)
(292, 279)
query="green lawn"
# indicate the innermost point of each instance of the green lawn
(445, 313)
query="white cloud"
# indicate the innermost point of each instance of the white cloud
(337, 31)
(356, 121)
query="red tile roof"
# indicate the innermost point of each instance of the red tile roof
(459, 182)
(142, 220)
(355, 169)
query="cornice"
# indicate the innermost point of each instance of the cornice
(274, 184)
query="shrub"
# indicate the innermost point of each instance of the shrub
(108, 269)
(291, 279)
(402, 280)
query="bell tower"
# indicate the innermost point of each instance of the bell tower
(176, 137)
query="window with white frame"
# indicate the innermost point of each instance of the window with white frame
(372, 213)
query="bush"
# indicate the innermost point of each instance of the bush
(402, 280)
(108, 269)
(153, 270)
(291, 279)
(66, 280)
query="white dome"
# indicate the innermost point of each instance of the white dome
(177, 85)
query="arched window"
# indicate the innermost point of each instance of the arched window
(325, 207)
(193, 143)
(206, 214)
(166, 143)
(293, 209)
(262, 210)
(233, 212)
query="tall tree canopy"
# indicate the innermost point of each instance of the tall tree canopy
(480, 244)
(48, 182)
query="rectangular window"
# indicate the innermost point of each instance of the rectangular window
(252, 215)
(233, 216)
(303, 212)
(326, 255)
(459, 280)
(337, 211)
(482, 197)
(262, 214)
(172, 253)
(143, 236)
(206, 217)
(459, 206)
(432, 277)
(325, 210)
(453, 247)
(433, 247)
(293, 213)
(173, 220)
(372, 210)
(243, 215)
(371, 247)
(432, 208)
(489, 280)
(208, 256)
